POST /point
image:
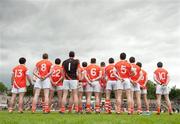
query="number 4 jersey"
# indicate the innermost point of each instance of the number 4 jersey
(19, 73)
(43, 67)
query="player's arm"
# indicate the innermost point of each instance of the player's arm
(156, 80)
(146, 80)
(12, 78)
(167, 81)
(116, 74)
(140, 77)
(28, 77)
(35, 73)
(49, 74)
(87, 78)
(100, 76)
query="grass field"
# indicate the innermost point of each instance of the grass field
(56, 118)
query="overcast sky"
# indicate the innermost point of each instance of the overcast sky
(146, 29)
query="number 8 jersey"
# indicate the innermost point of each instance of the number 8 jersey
(43, 67)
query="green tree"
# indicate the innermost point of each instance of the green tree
(151, 90)
(3, 88)
(174, 94)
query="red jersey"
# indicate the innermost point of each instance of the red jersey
(161, 75)
(110, 72)
(136, 70)
(83, 80)
(102, 80)
(56, 75)
(123, 69)
(93, 71)
(143, 80)
(43, 67)
(20, 73)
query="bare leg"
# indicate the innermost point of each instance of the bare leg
(129, 100)
(64, 99)
(138, 98)
(146, 102)
(118, 94)
(35, 99)
(12, 101)
(97, 107)
(59, 93)
(158, 100)
(168, 102)
(88, 102)
(21, 96)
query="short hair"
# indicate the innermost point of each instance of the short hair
(159, 64)
(57, 61)
(45, 56)
(93, 60)
(84, 64)
(103, 64)
(22, 60)
(123, 56)
(111, 60)
(139, 64)
(132, 59)
(71, 54)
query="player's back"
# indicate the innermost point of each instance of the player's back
(161, 75)
(43, 67)
(70, 68)
(93, 71)
(136, 69)
(123, 68)
(109, 70)
(57, 73)
(19, 73)
(144, 78)
(102, 80)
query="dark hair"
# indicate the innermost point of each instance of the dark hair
(71, 54)
(84, 64)
(102, 64)
(123, 56)
(45, 56)
(160, 64)
(111, 60)
(93, 60)
(139, 64)
(57, 61)
(132, 59)
(22, 60)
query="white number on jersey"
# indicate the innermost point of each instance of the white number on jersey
(93, 72)
(18, 73)
(69, 66)
(56, 73)
(162, 76)
(43, 67)
(123, 69)
(112, 73)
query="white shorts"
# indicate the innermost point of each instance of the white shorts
(94, 88)
(125, 85)
(18, 90)
(135, 88)
(143, 91)
(82, 89)
(56, 88)
(45, 84)
(111, 85)
(162, 90)
(70, 84)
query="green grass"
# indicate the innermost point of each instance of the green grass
(56, 118)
